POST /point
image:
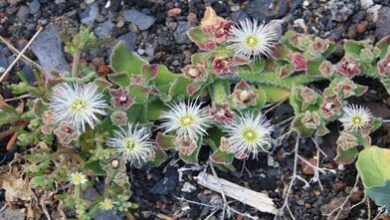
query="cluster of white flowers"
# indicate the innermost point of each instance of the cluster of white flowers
(248, 133)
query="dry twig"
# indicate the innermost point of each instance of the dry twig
(20, 55)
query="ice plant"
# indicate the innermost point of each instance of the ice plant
(355, 117)
(186, 119)
(106, 204)
(252, 39)
(249, 134)
(384, 66)
(78, 178)
(133, 143)
(79, 104)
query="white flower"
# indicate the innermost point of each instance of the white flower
(355, 117)
(187, 120)
(249, 133)
(106, 204)
(78, 178)
(133, 143)
(250, 38)
(78, 104)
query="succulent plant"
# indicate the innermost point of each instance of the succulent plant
(141, 112)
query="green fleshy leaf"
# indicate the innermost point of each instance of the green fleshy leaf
(275, 94)
(380, 195)
(193, 158)
(160, 158)
(44, 181)
(165, 141)
(196, 35)
(179, 87)
(200, 58)
(313, 66)
(298, 126)
(154, 110)
(332, 48)
(258, 65)
(95, 167)
(140, 93)
(373, 166)
(120, 79)
(136, 113)
(353, 48)
(386, 83)
(122, 61)
(272, 79)
(222, 157)
(220, 90)
(261, 98)
(383, 46)
(346, 156)
(164, 79)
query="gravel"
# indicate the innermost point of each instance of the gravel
(383, 23)
(105, 29)
(181, 32)
(143, 21)
(48, 49)
(265, 10)
(34, 6)
(89, 16)
(130, 39)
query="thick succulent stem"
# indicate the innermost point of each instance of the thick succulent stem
(274, 80)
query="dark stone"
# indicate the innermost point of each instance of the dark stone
(295, 5)
(239, 16)
(34, 6)
(130, 39)
(181, 33)
(105, 29)
(115, 5)
(264, 10)
(47, 47)
(165, 39)
(220, 7)
(108, 215)
(382, 25)
(3, 61)
(341, 10)
(22, 14)
(338, 32)
(168, 183)
(90, 194)
(28, 73)
(89, 15)
(143, 21)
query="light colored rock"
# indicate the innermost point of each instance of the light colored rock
(373, 12)
(366, 3)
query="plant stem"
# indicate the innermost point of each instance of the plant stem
(76, 63)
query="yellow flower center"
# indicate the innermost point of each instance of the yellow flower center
(107, 204)
(250, 135)
(78, 105)
(251, 41)
(187, 120)
(356, 120)
(77, 178)
(130, 144)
